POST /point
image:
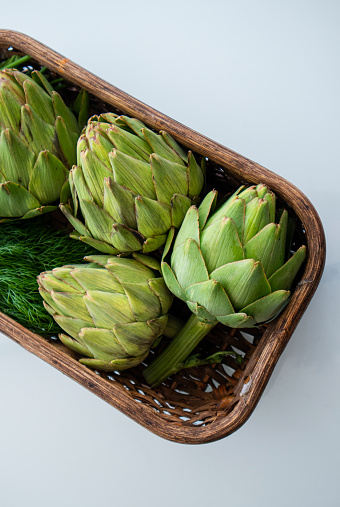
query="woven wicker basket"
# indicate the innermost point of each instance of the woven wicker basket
(202, 404)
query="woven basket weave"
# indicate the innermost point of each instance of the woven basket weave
(205, 403)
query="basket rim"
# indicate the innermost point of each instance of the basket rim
(277, 334)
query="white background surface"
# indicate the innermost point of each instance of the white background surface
(263, 79)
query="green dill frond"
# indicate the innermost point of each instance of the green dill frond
(27, 248)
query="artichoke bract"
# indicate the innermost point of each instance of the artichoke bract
(38, 139)
(112, 309)
(131, 185)
(233, 266)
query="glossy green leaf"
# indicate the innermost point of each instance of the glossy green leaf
(189, 228)
(50, 282)
(124, 239)
(168, 243)
(71, 325)
(195, 176)
(101, 260)
(102, 343)
(143, 302)
(60, 109)
(106, 309)
(81, 107)
(170, 141)
(114, 365)
(101, 246)
(158, 287)
(82, 144)
(10, 108)
(94, 172)
(129, 270)
(211, 296)
(278, 255)
(283, 278)
(244, 282)
(128, 143)
(202, 314)
(105, 117)
(247, 193)
(271, 199)
(268, 307)
(77, 224)
(39, 100)
(92, 279)
(153, 217)
(98, 222)
(65, 192)
(172, 282)
(71, 305)
(16, 159)
(38, 212)
(74, 196)
(257, 217)
(151, 244)
(148, 261)
(50, 306)
(220, 244)
(48, 176)
(78, 186)
(179, 207)
(261, 246)
(38, 134)
(160, 147)
(67, 142)
(133, 124)
(40, 79)
(207, 207)
(188, 264)
(65, 274)
(96, 141)
(119, 203)
(15, 200)
(17, 77)
(158, 326)
(169, 178)
(233, 207)
(74, 345)
(133, 174)
(237, 320)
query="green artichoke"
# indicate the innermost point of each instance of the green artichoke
(113, 309)
(232, 266)
(131, 185)
(38, 139)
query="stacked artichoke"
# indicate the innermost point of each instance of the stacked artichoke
(131, 185)
(232, 266)
(38, 138)
(113, 309)
(127, 189)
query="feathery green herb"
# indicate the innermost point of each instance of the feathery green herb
(26, 249)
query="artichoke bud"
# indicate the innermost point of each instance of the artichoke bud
(112, 309)
(37, 144)
(138, 183)
(233, 263)
(230, 266)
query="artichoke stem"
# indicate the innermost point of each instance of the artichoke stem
(173, 357)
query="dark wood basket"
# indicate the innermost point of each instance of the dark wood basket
(204, 404)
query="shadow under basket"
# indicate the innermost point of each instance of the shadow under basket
(205, 403)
